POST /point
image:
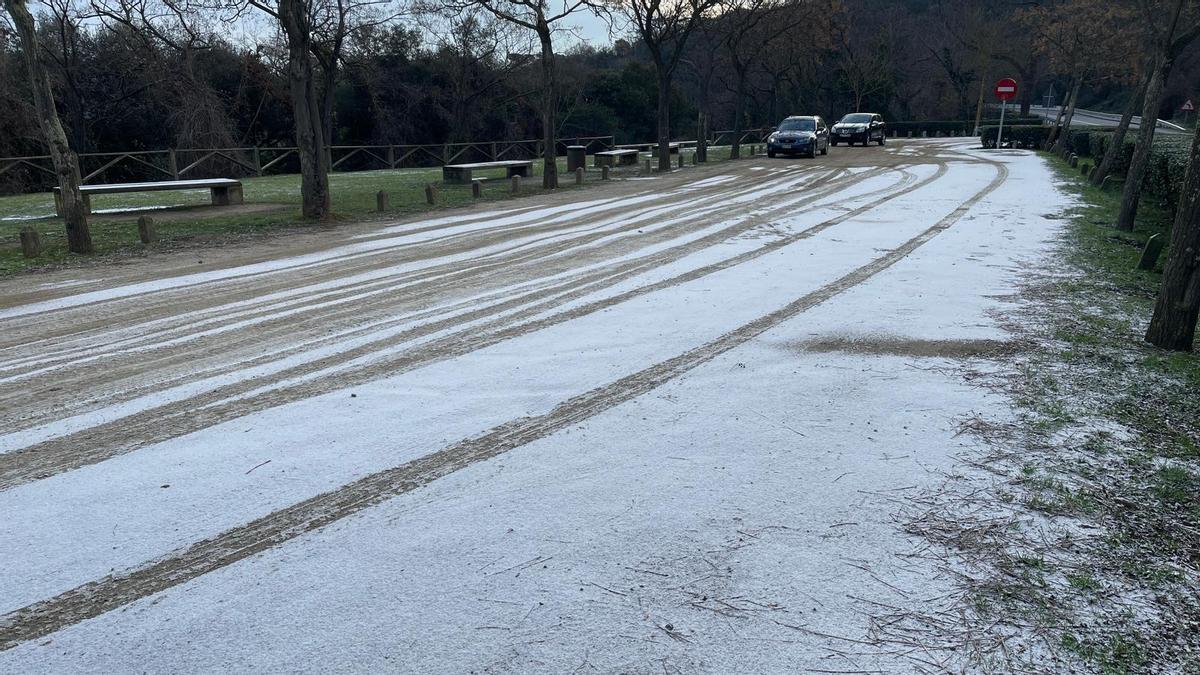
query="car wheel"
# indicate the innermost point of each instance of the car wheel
(882, 139)
(833, 143)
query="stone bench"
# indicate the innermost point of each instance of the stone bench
(223, 191)
(616, 158)
(461, 173)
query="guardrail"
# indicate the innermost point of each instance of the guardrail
(36, 172)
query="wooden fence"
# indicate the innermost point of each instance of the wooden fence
(36, 173)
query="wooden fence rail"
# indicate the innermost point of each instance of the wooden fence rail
(36, 173)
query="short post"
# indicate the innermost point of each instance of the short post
(31, 242)
(1154, 247)
(1074, 161)
(1084, 169)
(383, 201)
(476, 189)
(1091, 172)
(172, 164)
(681, 158)
(1105, 183)
(648, 168)
(516, 184)
(579, 175)
(430, 194)
(257, 156)
(604, 172)
(146, 230)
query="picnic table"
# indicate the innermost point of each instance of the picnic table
(627, 157)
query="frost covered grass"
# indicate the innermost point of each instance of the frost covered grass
(1100, 469)
(185, 218)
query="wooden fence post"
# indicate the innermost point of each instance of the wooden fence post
(172, 164)
(257, 160)
(146, 230)
(31, 242)
(476, 189)
(391, 156)
(383, 201)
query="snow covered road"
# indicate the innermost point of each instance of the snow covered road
(655, 430)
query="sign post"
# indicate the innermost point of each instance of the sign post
(1188, 107)
(1006, 90)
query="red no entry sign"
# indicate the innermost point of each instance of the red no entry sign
(1006, 89)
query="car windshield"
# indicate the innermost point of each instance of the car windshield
(857, 118)
(798, 125)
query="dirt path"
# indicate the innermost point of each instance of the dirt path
(95, 370)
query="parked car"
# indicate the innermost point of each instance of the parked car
(799, 135)
(859, 128)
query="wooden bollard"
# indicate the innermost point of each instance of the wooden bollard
(146, 230)
(648, 167)
(681, 159)
(604, 172)
(1084, 168)
(1073, 161)
(579, 175)
(31, 242)
(1105, 183)
(430, 194)
(1153, 249)
(476, 189)
(383, 201)
(516, 185)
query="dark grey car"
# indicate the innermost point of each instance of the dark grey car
(799, 135)
(860, 128)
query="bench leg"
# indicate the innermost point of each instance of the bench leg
(226, 196)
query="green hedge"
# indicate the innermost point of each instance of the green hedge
(1168, 158)
(1016, 135)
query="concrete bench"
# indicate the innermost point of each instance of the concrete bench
(672, 147)
(461, 173)
(224, 191)
(616, 158)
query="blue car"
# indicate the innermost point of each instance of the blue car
(799, 135)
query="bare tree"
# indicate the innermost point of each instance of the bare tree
(751, 27)
(1173, 325)
(66, 162)
(541, 17)
(1169, 40)
(1116, 143)
(664, 27)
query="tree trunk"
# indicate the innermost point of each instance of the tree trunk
(1132, 194)
(549, 108)
(66, 163)
(1117, 142)
(979, 106)
(739, 112)
(1164, 60)
(664, 118)
(310, 136)
(1173, 325)
(1064, 132)
(1053, 138)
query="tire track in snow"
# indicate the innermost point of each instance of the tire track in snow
(176, 418)
(103, 595)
